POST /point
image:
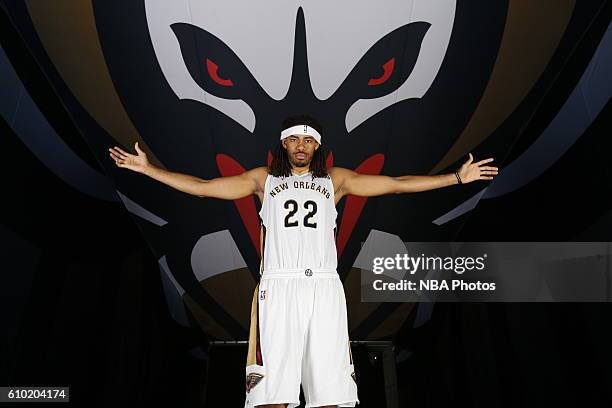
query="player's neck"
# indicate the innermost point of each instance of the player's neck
(300, 170)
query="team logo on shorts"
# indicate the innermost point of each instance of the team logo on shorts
(353, 377)
(262, 295)
(252, 380)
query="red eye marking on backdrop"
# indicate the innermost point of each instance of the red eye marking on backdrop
(388, 70)
(212, 71)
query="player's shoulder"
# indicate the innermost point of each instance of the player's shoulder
(258, 174)
(339, 173)
(337, 176)
(337, 170)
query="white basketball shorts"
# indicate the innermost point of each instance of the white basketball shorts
(299, 335)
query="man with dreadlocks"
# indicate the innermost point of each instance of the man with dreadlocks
(299, 331)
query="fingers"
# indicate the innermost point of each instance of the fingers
(490, 159)
(470, 159)
(490, 170)
(120, 152)
(115, 150)
(117, 157)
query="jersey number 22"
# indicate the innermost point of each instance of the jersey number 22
(292, 206)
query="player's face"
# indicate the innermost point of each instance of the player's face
(300, 149)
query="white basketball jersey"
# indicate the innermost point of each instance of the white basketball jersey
(299, 216)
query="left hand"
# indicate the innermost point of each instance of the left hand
(470, 171)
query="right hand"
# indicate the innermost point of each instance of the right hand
(138, 162)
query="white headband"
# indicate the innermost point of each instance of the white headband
(302, 130)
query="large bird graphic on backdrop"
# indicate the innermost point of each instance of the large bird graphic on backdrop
(401, 87)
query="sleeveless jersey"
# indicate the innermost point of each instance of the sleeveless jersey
(299, 216)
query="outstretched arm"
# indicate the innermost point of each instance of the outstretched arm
(366, 185)
(227, 188)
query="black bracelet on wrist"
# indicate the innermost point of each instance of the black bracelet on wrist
(458, 178)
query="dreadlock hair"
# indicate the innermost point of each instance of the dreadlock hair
(280, 166)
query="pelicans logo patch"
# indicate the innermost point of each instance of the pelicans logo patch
(252, 380)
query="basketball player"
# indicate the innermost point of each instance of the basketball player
(299, 331)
